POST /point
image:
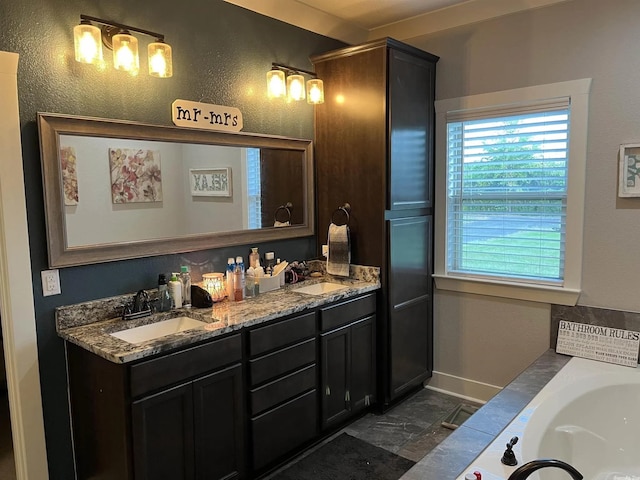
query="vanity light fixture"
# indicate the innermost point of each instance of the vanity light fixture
(88, 41)
(294, 86)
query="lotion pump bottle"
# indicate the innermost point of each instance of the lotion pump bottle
(175, 290)
(231, 266)
(238, 279)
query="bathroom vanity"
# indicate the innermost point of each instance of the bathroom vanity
(258, 382)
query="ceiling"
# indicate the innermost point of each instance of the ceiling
(356, 21)
(378, 13)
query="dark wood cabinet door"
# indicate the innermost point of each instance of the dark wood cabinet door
(218, 419)
(284, 429)
(410, 295)
(162, 427)
(411, 87)
(336, 353)
(363, 365)
(411, 345)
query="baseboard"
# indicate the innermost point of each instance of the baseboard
(462, 387)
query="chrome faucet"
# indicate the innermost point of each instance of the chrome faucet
(527, 469)
(140, 307)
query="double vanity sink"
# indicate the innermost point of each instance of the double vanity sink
(226, 392)
(171, 326)
(96, 326)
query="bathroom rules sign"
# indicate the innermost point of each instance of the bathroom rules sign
(611, 345)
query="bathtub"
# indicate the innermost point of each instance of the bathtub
(587, 415)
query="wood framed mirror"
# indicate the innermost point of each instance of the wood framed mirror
(115, 190)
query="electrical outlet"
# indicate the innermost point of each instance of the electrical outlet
(50, 282)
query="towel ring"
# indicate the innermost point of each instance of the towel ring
(286, 208)
(344, 209)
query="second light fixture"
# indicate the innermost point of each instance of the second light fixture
(294, 86)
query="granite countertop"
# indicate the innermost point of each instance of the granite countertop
(90, 324)
(449, 459)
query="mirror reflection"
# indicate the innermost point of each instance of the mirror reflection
(119, 190)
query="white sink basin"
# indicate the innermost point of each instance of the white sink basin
(321, 288)
(152, 331)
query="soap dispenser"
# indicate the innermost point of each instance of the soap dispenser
(185, 279)
(175, 290)
(164, 299)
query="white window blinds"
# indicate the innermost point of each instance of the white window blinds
(507, 172)
(254, 203)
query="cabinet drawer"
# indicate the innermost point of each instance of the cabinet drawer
(279, 334)
(185, 364)
(347, 312)
(283, 429)
(277, 363)
(282, 389)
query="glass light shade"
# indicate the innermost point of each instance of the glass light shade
(125, 53)
(275, 84)
(295, 87)
(315, 91)
(87, 41)
(160, 63)
(214, 284)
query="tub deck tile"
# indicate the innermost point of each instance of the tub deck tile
(459, 449)
(452, 455)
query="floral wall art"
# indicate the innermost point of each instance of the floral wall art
(69, 175)
(135, 175)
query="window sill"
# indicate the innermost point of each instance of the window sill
(518, 291)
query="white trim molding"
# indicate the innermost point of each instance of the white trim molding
(16, 289)
(568, 292)
(462, 387)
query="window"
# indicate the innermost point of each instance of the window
(510, 208)
(254, 204)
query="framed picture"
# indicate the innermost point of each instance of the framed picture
(211, 182)
(629, 183)
(69, 175)
(135, 175)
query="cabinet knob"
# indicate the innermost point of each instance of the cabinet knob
(327, 392)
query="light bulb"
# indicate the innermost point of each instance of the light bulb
(275, 84)
(315, 91)
(295, 87)
(160, 64)
(87, 43)
(125, 53)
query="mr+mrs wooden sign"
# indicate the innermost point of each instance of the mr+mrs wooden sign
(185, 113)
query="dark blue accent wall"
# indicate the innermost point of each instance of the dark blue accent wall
(221, 54)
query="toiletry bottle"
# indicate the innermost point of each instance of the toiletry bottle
(254, 258)
(164, 299)
(175, 290)
(185, 278)
(238, 279)
(268, 263)
(231, 266)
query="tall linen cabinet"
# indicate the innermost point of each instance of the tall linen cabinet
(374, 143)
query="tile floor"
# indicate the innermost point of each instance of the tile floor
(411, 429)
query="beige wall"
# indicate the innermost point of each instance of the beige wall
(489, 340)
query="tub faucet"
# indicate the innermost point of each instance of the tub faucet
(527, 469)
